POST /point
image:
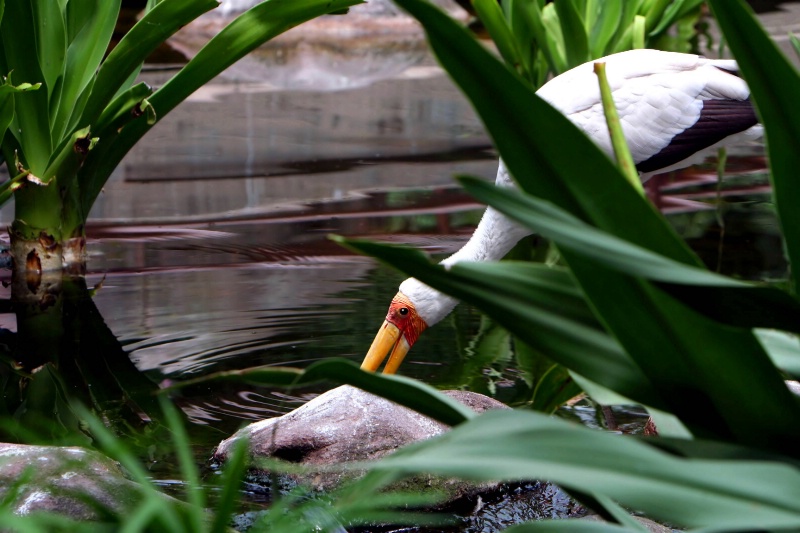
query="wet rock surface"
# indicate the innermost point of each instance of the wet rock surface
(64, 480)
(345, 425)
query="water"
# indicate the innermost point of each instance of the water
(210, 243)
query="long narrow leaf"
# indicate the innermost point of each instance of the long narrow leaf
(517, 445)
(677, 348)
(31, 124)
(51, 41)
(492, 18)
(576, 42)
(153, 29)
(510, 294)
(775, 84)
(733, 302)
(96, 19)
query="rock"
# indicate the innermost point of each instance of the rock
(345, 425)
(62, 479)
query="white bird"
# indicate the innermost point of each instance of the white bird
(673, 107)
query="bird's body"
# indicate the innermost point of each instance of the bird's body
(673, 107)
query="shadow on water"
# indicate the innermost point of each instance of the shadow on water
(209, 248)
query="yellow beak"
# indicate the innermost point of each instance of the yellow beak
(389, 338)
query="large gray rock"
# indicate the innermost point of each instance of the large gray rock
(62, 479)
(345, 425)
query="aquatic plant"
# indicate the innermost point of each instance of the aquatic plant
(70, 108)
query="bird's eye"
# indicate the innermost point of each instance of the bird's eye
(403, 311)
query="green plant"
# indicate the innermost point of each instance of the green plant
(538, 38)
(211, 505)
(635, 312)
(76, 111)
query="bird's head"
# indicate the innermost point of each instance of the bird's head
(412, 310)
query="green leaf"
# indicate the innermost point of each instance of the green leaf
(554, 39)
(90, 25)
(576, 42)
(676, 11)
(521, 297)
(527, 20)
(554, 389)
(51, 41)
(492, 18)
(734, 302)
(7, 91)
(145, 36)
(774, 84)
(602, 31)
(30, 125)
(516, 445)
(559, 164)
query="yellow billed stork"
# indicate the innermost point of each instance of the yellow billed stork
(673, 107)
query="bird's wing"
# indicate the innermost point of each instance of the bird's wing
(670, 105)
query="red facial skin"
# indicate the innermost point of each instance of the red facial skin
(403, 315)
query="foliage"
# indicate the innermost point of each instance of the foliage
(635, 312)
(212, 506)
(64, 138)
(538, 38)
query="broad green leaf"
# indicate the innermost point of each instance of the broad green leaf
(527, 20)
(677, 10)
(602, 31)
(554, 39)
(719, 297)
(576, 42)
(655, 12)
(51, 40)
(775, 84)
(517, 445)
(147, 34)
(525, 39)
(87, 46)
(492, 18)
(519, 298)
(7, 91)
(30, 126)
(559, 164)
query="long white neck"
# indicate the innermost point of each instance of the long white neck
(494, 237)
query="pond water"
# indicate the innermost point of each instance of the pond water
(211, 246)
